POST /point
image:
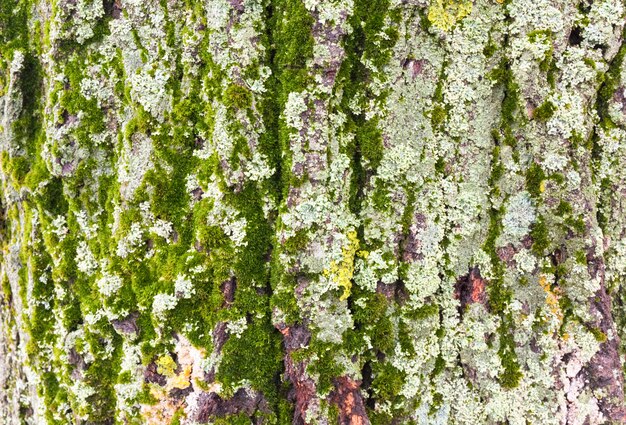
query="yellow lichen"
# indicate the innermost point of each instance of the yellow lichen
(444, 14)
(342, 272)
(552, 298)
(163, 410)
(166, 365)
(180, 381)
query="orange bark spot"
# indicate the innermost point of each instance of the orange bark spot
(478, 287)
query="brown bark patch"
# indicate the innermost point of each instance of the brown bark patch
(152, 376)
(414, 66)
(126, 326)
(303, 391)
(347, 396)
(470, 289)
(220, 336)
(601, 370)
(620, 98)
(506, 253)
(113, 8)
(211, 405)
(388, 290)
(412, 243)
(228, 290)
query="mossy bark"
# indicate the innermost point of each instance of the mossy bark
(312, 212)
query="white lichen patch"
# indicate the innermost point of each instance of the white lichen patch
(524, 261)
(89, 229)
(128, 392)
(81, 17)
(135, 161)
(519, 216)
(294, 108)
(237, 327)
(258, 168)
(604, 17)
(162, 303)
(162, 228)
(149, 89)
(59, 227)
(183, 287)
(81, 392)
(570, 107)
(129, 242)
(109, 284)
(85, 260)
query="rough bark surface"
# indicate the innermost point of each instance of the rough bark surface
(312, 212)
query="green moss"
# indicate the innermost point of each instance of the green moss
(374, 322)
(438, 116)
(439, 366)
(388, 381)
(238, 419)
(503, 75)
(581, 257)
(423, 312)
(237, 97)
(369, 139)
(611, 81)
(293, 33)
(499, 295)
(178, 416)
(512, 374)
(557, 177)
(369, 42)
(380, 196)
(540, 236)
(535, 177)
(490, 48)
(598, 334)
(290, 26)
(325, 365)
(101, 375)
(576, 224)
(495, 229)
(564, 208)
(436, 403)
(256, 356)
(371, 39)
(27, 128)
(579, 140)
(589, 62)
(13, 25)
(545, 111)
(17, 167)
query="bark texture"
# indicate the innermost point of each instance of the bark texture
(313, 212)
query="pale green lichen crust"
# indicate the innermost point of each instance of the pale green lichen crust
(312, 211)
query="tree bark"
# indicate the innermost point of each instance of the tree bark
(312, 212)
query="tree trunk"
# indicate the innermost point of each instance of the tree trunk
(312, 212)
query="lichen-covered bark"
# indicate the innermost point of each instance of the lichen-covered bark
(312, 212)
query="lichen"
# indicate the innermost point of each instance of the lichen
(341, 273)
(444, 14)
